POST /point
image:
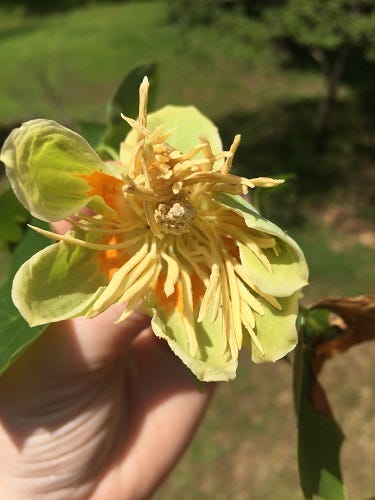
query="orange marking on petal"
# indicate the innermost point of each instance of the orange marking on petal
(106, 186)
(174, 301)
(112, 259)
(198, 289)
(232, 248)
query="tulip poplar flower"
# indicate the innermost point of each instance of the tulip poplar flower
(165, 229)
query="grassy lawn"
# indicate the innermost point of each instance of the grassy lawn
(66, 67)
(245, 448)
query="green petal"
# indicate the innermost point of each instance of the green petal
(59, 282)
(289, 268)
(190, 124)
(45, 163)
(285, 277)
(276, 330)
(212, 361)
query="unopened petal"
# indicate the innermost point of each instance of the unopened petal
(46, 165)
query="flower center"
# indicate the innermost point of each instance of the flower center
(175, 215)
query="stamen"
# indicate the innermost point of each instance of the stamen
(115, 287)
(192, 152)
(172, 273)
(188, 311)
(251, 302)
(269, 298)
(183, 247)
(210, 290)
(207, 151)
(165, 136)
(143, 132)
(143, 98)
(155, 136)
(76, 241)
(227, 312)
(216, 303)
(225, 169)
(253, 247)
(142, 283)
(235, 302)
(246, 322)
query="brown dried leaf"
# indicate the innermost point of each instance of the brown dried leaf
(355, 316)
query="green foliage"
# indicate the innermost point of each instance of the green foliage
(15, 333)
(193, 12)
(106, 137)
(325, 24)
(125, 101)
(13, 218)
(95, 132)
(43, 7)
(319, 437)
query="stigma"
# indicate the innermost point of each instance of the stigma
(175, 215)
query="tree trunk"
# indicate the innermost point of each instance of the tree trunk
(333, 73)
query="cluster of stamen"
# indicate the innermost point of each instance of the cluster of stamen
(166, 183)
(159, 188)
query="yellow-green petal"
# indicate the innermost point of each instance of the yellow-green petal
(212, 360)
(59, 282)
(47, 166)
(289, 267)
(276, 330)
(285, 277)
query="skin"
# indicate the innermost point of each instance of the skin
(95, 410)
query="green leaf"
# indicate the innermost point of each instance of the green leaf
(93, 132)
(125, 101)
(5, 258)
(319, 437)
(13, 218)
(262, 196)
(316, 327)
(47, 166)
(15, 333)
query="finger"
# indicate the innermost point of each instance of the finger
(61, 227)
(165, 408)
(100, 339)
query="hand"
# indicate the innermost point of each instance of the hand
(96, 411)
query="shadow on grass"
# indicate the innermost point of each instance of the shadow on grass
(17, 31)
(279, 140)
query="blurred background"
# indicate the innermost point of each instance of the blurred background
(297, 79)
